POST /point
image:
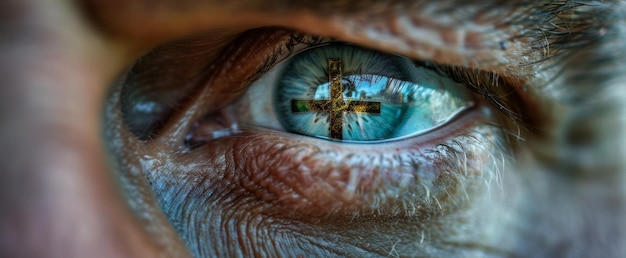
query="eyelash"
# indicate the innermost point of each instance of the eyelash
(493, 88)
(297, 42)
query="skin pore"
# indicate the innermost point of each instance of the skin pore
(535, 169)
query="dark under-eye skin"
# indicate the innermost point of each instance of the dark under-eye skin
(452, 192)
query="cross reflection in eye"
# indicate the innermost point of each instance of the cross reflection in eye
(344, 92)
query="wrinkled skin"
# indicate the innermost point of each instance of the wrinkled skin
(537, 171)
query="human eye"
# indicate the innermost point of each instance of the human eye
(351, 94)
(212, 134)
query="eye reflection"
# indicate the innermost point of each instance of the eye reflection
(344, 92)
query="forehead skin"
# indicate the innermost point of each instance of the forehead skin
(60, 199)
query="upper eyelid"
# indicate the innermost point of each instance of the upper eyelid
(333, 19)
(506, 31)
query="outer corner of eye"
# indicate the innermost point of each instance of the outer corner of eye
(346, 93)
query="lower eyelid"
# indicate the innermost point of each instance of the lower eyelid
(317, 177)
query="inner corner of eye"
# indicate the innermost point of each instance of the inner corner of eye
(342, 92)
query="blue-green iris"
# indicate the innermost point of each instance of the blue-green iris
(412, 99)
